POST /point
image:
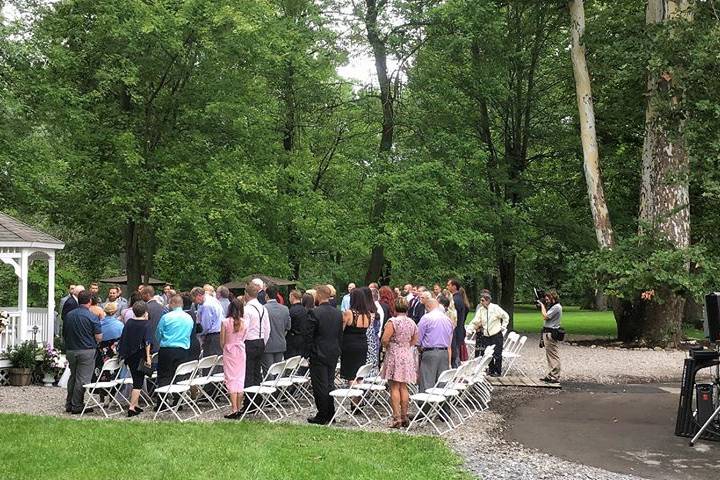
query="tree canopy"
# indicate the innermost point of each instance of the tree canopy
(201, 140)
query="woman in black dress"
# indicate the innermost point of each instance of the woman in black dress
(356, 321)
(134, 347)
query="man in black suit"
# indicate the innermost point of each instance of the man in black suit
(155, 311)
(416, 307)
(72, 302)
(462, 311)
(323, 338)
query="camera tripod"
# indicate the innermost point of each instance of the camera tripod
(716, 413)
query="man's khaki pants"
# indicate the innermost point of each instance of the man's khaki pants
(552, 353)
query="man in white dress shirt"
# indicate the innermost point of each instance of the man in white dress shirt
(490, 323)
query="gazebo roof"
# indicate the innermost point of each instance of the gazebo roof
(14, 233)
(122, 280)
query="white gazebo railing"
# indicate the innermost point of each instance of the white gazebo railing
(37, 317)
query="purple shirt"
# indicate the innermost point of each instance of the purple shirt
(435, 330)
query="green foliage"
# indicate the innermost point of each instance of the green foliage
(23, 355)
(643, 263)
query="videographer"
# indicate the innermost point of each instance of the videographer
(552, 333)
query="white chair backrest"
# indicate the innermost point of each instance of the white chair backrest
(187, 368)
(520, 344)
(364, 371)
(207, 362)
(512, 337)
(111, 364)
(446, 376)
(292, 364)
(464, 372)
(275, 372)
(489, 351)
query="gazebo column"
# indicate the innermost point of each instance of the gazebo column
(50, 334)
(23, 295)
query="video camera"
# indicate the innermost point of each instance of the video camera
(539, 297)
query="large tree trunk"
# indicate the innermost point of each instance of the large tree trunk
(591, 161)
(387, 99)
(664, 192)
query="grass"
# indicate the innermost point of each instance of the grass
(578, 322)
(574, 320)
(56, 448)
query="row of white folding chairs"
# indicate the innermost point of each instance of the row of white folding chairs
(200, 375)
(457, 395)
(365, 392)
(512, 347)
(282, 384)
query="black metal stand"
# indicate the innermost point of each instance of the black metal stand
(715, 414)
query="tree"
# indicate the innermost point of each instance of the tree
(591, 162)
(664, 191)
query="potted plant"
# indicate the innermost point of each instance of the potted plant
(50, 363)
(23, 358)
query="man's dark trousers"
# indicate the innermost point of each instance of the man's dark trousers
(254, 350)
(322, 377)
(482, 342)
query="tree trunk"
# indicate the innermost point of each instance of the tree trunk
(387, 99)
(664, 192)
(506, 267)
(591, 162)
(133, 257)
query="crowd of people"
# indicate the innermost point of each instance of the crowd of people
(408, 336)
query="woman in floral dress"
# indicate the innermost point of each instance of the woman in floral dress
(399, 368)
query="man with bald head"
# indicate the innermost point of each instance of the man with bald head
(173, 337)
(435, 332)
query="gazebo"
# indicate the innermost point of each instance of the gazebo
(20, 246)
(240, 284)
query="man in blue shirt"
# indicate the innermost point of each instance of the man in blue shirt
(173, 335)
(82, 333)
(345, 303)
(210, 317)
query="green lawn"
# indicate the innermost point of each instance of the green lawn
(577, 322)
(56, 448)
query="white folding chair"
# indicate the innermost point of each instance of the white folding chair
(266, 393)
(127, 381)
(512, 355)
(301, 383)
(168, 392)
(201, 380)
(454, 391)
(470, 340)
(218, 380)
(376, 391)
(108, 387)
(511, 339)
(429, 405)
(284, 382)
(352, 397)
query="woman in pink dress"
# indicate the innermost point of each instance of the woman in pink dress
(232, 339)
(399, 366)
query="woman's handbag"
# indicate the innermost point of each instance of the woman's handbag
(145, 368)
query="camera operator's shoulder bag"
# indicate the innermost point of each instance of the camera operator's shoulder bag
(558, 334)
